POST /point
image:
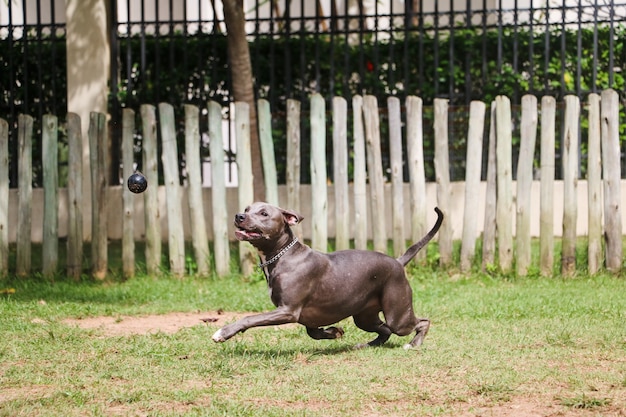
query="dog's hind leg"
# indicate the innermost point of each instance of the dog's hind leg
(327, 333)
(370, 322)
(420, 333)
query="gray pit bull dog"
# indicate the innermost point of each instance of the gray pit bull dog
(317, 289)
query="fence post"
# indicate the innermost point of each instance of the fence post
(4, 197)
(397, 175)
(546, 205)
(25, 192)
(489, 224)
(417, 175)
(319, 237)
(98, 150)
(375, 170)
(504, 180)
(612, 179)
(528, 133)
(245, 177)
(570, 183)
(199, 237)
(171, 177)
(128, 198)
(293, 158)
(472, 181)
(594, 186)
(50, 151)
(152, 216)
(267, 151)
(340, 173)
(360, 175)
(218, 191)
(75, 196)
(442, 173)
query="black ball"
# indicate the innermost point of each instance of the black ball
(137, 183)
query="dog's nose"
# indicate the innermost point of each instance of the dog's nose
(240, 217)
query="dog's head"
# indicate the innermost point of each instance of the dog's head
(263, 221)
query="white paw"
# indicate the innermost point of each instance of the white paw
(217, 336)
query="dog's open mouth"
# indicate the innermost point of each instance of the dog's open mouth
(243, 234)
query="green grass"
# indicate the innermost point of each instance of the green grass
(547, 345)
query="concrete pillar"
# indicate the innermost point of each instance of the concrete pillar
(88, 67)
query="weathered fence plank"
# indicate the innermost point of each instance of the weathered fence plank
(594, 186)
(528, 133)
(98, 151)
(397, 176)
(128, 198)
(199, 239)
(267, 151)
(50, 152)
(442, 174)
(221, 247)
(570, 183)
(25, 193)
(504, 180)
(245, 190)
(489, 223)
(4, 197)
(319, 199)
(417, 175)
(150, 170)
(360, 175)
(293, 158)
(375, 172)
(612, 174)
(74, 196)
(171, 178)
(340, 173)
(546, 203)
(472, 182)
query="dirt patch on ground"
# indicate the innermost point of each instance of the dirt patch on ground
(165, 323)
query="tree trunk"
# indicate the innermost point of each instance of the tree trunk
(242, 84)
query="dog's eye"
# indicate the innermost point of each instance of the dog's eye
(264, 214)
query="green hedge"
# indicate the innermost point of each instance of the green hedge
(180, 69)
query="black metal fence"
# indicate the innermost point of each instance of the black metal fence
(430, 49)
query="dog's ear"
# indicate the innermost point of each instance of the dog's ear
(291, 217)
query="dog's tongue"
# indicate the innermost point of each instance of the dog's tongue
(241, 234)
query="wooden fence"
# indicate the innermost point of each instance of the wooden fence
(506, 234)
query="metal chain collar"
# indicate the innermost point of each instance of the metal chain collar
(279, 254)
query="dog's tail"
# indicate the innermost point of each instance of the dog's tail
(412, 251)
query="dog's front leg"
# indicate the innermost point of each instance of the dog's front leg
(281, 315)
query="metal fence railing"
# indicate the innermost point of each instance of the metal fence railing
(175, 51)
